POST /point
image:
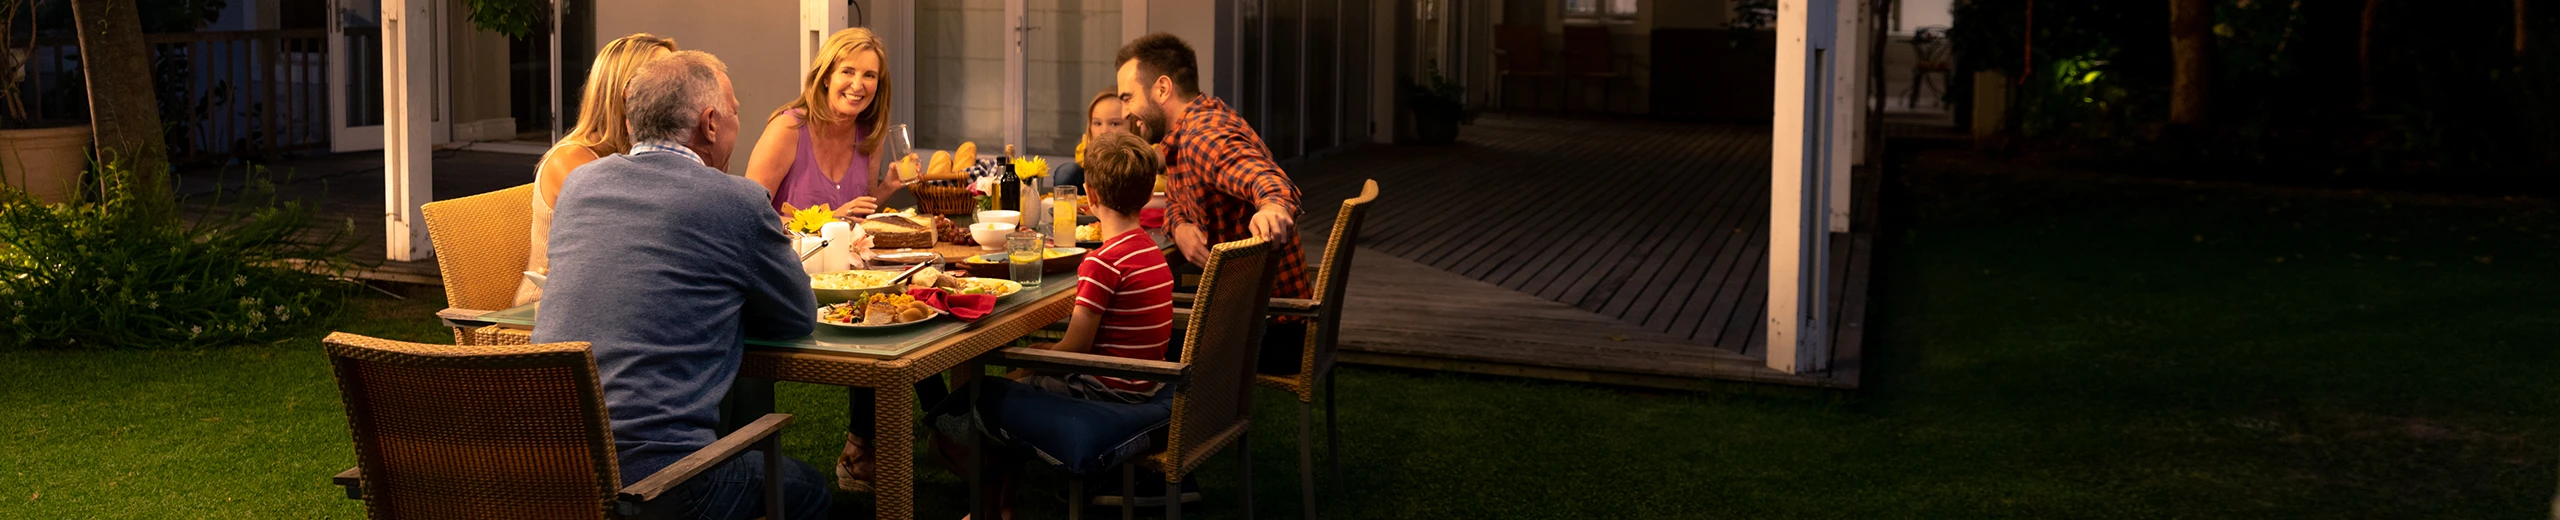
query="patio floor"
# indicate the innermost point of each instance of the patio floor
(1619, 252)
(1622, 252)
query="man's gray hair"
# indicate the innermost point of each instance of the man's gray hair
(667, 96)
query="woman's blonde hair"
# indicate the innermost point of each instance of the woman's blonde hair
(600, 109)
(813, 90)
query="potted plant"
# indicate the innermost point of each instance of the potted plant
(44, 158)
(1439, 105)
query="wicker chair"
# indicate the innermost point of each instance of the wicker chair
(500, 432)
(1315, 362)
(481, 246)
(1323, 317)
(1213, 404)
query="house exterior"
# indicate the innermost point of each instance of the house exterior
(1314, 76)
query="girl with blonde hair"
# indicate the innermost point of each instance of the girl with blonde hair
(600, 132)
(821, 148)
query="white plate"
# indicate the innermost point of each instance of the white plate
(899, 325)
(1016, 287)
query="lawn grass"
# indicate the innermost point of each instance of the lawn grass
(2041, 345)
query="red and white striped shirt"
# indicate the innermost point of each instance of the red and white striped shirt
(1127, 281)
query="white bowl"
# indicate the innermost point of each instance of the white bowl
(1001, 215)
(990, 235)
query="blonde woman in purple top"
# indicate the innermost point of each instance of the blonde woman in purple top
(821, 147)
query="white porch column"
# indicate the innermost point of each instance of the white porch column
(1801, 153)
(408, 39)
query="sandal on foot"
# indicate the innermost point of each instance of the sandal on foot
(854, 468)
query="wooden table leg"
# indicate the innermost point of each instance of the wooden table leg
(893, 444)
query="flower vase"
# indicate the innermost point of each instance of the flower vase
(1030, 205)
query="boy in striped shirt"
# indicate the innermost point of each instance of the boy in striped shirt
(1124, 308)
(1124, 291)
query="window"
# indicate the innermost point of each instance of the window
(1618, 10)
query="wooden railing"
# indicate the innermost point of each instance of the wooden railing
(223, 94)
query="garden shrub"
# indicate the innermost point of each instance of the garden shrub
(122, 272)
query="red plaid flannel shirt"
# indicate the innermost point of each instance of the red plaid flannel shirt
(1220, 173)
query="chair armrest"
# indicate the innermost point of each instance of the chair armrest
(1279, 307)
(1100, 365)
(1296, 307)
(719, 451)
(462, 318)
(353, 480)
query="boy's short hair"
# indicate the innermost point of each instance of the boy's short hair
(1121, 170)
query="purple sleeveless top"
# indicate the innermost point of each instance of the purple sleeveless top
(806, 185)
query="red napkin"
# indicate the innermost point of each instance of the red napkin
(1151, 218)
(966, 307)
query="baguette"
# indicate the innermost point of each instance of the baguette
(940, 167)
(967, 154)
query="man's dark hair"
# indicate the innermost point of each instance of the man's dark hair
(1163, 54)
(1121, 172)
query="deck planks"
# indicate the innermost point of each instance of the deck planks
(1579, 250)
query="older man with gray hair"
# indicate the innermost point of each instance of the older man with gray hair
(665, 265)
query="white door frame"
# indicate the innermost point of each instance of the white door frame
(1017, 75)
(344, 138)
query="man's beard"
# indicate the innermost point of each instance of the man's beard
(1147, 122)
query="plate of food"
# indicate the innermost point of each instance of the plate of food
(936, 278)
(853, 285)
(878, 311)
(997, 287)
(1056, 260)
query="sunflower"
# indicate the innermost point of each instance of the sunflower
(1032, 168)
(811, 219)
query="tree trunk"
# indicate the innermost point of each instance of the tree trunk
(2190, 40)
(2364, 55)
(2520, 28)
(123, 112)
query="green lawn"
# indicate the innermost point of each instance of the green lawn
(2042, 345)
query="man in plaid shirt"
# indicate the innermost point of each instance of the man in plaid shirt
(1223, 184)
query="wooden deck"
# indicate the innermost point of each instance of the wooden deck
(1618, 252)
(1613, 252)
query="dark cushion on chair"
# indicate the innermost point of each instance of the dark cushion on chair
(1081, 436)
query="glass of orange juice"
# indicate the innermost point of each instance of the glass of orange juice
(1062, 223)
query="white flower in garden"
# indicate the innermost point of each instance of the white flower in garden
(240, 280)
(154, 304)
(195, 331)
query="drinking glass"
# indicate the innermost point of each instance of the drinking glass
(1062, 226)
(899, 143)
(1023, 253)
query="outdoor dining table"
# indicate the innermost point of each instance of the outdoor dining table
(890, 362)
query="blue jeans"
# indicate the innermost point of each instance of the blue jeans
(735, 490)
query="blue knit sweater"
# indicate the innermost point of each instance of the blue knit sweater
(666, 266)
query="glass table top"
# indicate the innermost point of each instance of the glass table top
(883, 343)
